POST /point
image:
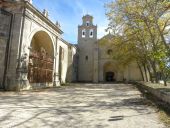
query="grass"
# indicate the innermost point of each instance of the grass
(164, 109)
(156, 86)
(164, 117)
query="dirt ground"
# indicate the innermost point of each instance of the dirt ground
(78, 106)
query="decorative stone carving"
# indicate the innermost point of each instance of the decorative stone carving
(24, 63)
(43, 53)
(58, 24)
(30, 1)
(45, 13)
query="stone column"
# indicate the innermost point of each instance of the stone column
(22, 73)
(56, 81)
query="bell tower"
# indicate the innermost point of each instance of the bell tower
(87, 31)
(87, 40)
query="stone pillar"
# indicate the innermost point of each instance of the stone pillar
(56, 81)
(22, 72)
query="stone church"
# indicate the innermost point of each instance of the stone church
(33, 53)
(95, 63)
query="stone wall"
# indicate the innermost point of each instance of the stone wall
(86, 59)
(26, 22)
(72, 64)
(5, 26)
(162, 94)
(129, 72)
(63, 60)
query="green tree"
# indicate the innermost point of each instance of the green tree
(142, 26)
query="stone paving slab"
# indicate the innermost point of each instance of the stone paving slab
(79, 106)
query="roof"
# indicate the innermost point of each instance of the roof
(45, 19)
(108, 36)
(68, 44)
(28, 5)
(87, 16)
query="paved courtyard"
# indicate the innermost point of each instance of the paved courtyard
(78, 106)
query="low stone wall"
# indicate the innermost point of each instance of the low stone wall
(160, 94)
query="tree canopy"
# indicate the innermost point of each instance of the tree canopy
(140, 30)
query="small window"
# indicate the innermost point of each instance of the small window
(83, 33)
(87, 23)
(86, 57)
(91, 33)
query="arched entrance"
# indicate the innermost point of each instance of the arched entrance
(109, 73)
(41, 59)
(110, 76)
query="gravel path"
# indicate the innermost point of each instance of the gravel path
(78, 106)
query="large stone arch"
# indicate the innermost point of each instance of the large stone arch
(41, 58)
(109, 72)
(40, 29)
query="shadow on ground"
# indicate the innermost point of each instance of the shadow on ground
(92, 106)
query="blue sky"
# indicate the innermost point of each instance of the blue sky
(69, 14)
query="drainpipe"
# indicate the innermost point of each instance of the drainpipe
(7, 53)
(18, 70)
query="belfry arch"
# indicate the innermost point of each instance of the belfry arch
(41, 58)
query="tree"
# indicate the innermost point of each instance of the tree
(142, 25)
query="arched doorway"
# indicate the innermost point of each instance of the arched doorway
(109, 72)
(110, 76)
(41, 59)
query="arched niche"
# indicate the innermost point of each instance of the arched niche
(41, 58)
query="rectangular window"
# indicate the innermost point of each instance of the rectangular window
(87, 23)
(83, 33)
(86, 58)
(91, 33)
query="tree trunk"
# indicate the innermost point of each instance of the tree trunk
(164, 78)
(153, 65)
(165, 82)
(140, 68)
(144, 66)
(150, 73)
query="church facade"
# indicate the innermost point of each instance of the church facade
(95, 62)
(33, 53)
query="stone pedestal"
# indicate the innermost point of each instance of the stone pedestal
(22, 83)
(56, 81)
